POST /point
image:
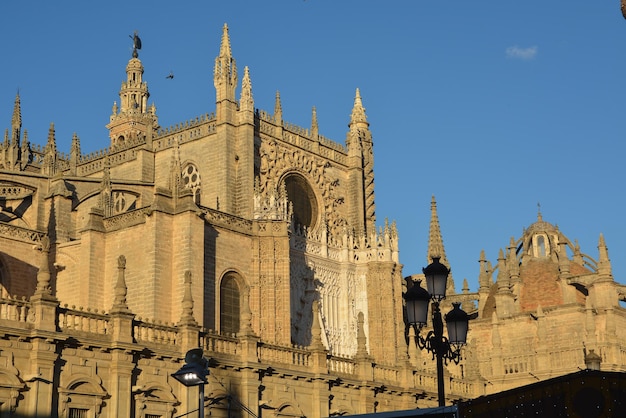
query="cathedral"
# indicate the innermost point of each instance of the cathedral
(257, 241)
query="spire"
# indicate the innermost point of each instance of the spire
(361, 161)
(225, 45)
(186, 317)
(225, 70)
(358, 112)
(435, 240)
(278, 110)
(314, 126)
(246, 101)
(119, 301)
(75, 147)
(16, 122)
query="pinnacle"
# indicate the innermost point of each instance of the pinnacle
(225, 46)
(358, 111)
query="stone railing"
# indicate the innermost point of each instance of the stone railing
(15, 310)
(21, 234)
(341, 365)
(155, 332)
(94, 328)
(216, 343)
(385, 374)
(296, 356)
(84, 321)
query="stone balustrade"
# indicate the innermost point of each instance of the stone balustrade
(95, 329)
(14, 309)
(87, 321)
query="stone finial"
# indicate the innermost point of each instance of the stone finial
(186, 317)
(43, 275)
(604, 263)
(49, 166)
(564, 266)
(512, 263)
(16, 122)
(245, 326)
(361, 339)
(75, 147)
(314, 126)
(278, 110)
(246, 100)
(484, 276)
(119, 301)
(316, 329)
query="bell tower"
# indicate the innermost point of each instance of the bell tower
(133, 120)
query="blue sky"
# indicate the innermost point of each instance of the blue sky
(492, 106)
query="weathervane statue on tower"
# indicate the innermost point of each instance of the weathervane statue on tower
(136, 43)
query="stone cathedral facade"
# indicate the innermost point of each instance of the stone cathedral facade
(257, 241)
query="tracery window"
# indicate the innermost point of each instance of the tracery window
(191, 180)
(123, 202)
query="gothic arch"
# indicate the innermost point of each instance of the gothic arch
(232, 291)
(303, 198)
(15, 200)
(124, 201)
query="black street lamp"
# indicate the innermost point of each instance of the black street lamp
(417, 299)
(194, 373)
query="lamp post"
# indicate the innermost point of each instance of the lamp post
(417, 299)
(194, 373)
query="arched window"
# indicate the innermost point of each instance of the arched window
(229, 304)
(541, 245)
